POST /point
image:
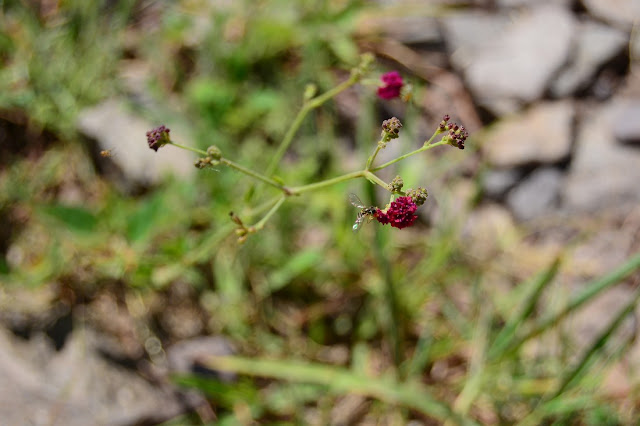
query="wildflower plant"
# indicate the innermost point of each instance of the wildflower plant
(400, 212)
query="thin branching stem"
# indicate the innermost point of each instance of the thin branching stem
(409, 154)
(188, 148)
(254, 175)
(302, 114)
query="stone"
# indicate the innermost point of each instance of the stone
(506, 64)
(622, 13)
(603, 173)
(496, 182)
(540, 135)
(123, 133)
(595, 45)
(408, 29)
(537, 195)
(625, 120)
(75, 386)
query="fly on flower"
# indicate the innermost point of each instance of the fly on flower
(365, 212)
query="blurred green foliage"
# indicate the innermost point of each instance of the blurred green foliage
(304, 288)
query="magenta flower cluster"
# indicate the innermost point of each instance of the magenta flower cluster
(392, 85)
(400, 214)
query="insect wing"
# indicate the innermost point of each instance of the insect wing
(355, 201)
(358, 224)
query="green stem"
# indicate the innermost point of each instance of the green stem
(322, 184)
(302, 114)
(255, 175)
(375, 179)
(373, 157)
(425, 147)
(258, 226)
(188, 148)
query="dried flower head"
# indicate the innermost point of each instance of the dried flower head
(400, 213)
(392, 85)
(158, 137)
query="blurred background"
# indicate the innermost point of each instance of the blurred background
(121, 276)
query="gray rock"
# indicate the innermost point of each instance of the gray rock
(620, 12)
(595, 44)
(466, 33)
(520, 3)
(539, 135)
(117, 129)
(508, 65)
(603, 173)
(74, 387)
(536, 195)
(496, 183)
(409, 29)
(625, 120)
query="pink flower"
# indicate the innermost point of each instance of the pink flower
(392, 85)
(400, 213)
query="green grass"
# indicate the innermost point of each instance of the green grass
(316, 311)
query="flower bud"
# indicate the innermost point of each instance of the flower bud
(396, 184)
(214, 152)
(418, 195)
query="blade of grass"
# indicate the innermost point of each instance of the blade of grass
(591, 291)
(477, 370)
(506, 335)
(557, 403)
(597, 346)
(341, 380)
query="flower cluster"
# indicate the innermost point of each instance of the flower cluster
(457, 134)
(158, 137)
(390, 129)
(400, 213)
(392, 85)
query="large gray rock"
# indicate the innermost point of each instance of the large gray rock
(118, 129)
(625, 116)
(539, 135)
(508, 64)
(603, 172)
(620, 12)
(595, 44)
(74, 387)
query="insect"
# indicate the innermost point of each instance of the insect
(106, 153)
(365, 212)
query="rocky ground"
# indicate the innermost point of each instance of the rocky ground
(560, 168)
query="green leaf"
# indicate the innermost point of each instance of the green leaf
(76, 219)
(144, 219)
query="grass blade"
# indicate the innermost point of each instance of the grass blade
(341, 380)
(597, 345)
(506, 335)
(591, 291)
